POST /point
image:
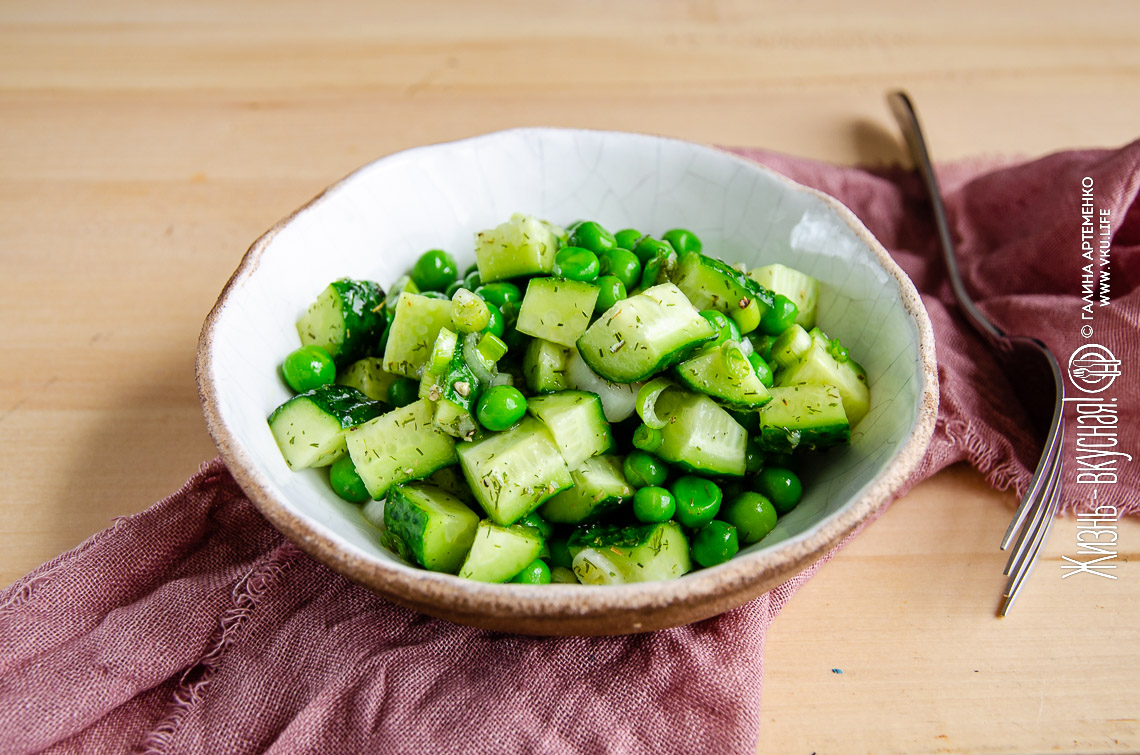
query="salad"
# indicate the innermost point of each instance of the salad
(579, 406)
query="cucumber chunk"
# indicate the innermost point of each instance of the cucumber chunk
(310, 428)
(801, 288)
(700, 436)
(513, 472)
(521, 246)
(607, 554)
(416, 323)
(368, 376)
(576, 422)
(804, 416)
(429, 526)
(544, 366)
(725, 374)
(499, 553)
(346, 320)
(557, 309)
(399, 446)
(818, 366)
(711, 284)
(599, 487)
(644, 334)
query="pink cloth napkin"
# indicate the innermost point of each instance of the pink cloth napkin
(195, 627)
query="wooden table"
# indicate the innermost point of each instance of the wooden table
(144, 145)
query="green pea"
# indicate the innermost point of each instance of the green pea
(592, 236)
(763, 371)
(577, 264)
(683, 240)
(627, 237)
(762, 344)
(698, 500)
(780, 316)
(781, 486)
(435, 270)
(307, 368)
(612, 291)
(500, 407)
(450, 292)
(472, 268)
(644, 470)
(472, 280)
(346, 482)
(536, 522)
(403, 391)
(648, 247)
(653, 504)
(535, 573)
(623, 265)
(496, 323)
(753, 457)
(715, 544)
(752, 514)
(647, 438)
(719, 320)
(501, 294)
(435, 295)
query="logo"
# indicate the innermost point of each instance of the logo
(1093, 368)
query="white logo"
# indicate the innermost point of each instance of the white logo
(1093, 368)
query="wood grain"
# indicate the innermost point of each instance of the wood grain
(143, 146)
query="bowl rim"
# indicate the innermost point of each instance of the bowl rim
(469, 602)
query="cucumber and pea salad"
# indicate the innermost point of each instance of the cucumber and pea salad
(579, 406)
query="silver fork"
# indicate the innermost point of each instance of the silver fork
(1025, 358)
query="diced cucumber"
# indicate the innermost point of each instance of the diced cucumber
(804, 416)
(429, 526)
(557, 309)
(576, 422)
(607, 554)
(521, 246)
(450, 480)
(801, 288)
(724, 373)
(599, 487)
(544, 366)
(415, 326)
(711, 284)
(499, 553)
(699, 435)
(644, 334)
(513, 472)
(399, 446)
(310, 428)
(368, 376)
(346, 320)
(818, 366)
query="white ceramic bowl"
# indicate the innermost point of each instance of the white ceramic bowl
(374, 224)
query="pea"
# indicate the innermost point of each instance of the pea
(535, 573)
(623, 265)
(403, 391)
(435, 295)
(715, 544)
(506, 296)
(307, 368)
(450, 292)
(435, 270)
(763, 371)
(647, 438)
(472, 280)
(644, 470)
(781, 486)
(612, 291)
(627, 237)
(719, 320)
(648, 247)
(500, 407)
(683, 240)
(753, 457)
(653, 504)
(762, 344)
(592, 236)
(577, 264)
(472, 268)
(752, 514)
(496, 323)
(780, 316)
(534, 521)
(698, 500)
(346, 482)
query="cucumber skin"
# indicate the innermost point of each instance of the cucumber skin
(527, 539)
(347, 404)
(813, 433)
(406, 523)
(414, 467)
(621, 543)
(364, 319)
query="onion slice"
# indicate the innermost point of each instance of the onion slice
(647, 399)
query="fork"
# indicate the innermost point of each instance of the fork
(1022, 357)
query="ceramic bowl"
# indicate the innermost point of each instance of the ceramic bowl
(374, 223)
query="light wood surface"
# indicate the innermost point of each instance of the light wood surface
(143, 146)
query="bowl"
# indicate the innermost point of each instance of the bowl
(374, 223)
